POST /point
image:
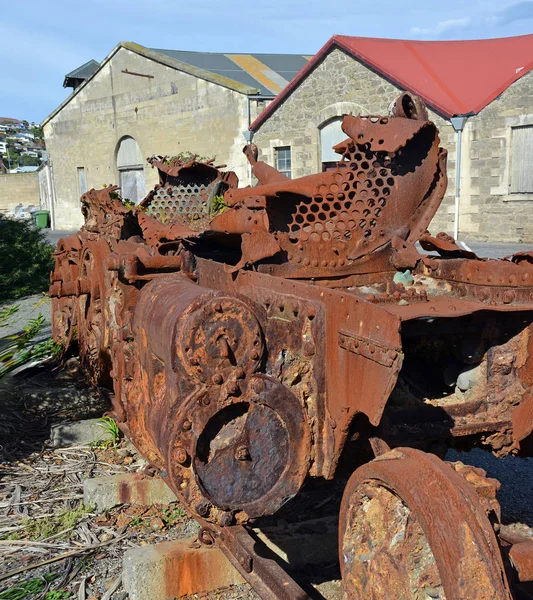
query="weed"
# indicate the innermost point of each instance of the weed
(28, 589)
(136, 522)
(14, 535)
(57, 595)
(110, 427)
(38, 529)
(187, 156)
(173, 515)
(217, 205)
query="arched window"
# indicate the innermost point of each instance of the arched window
(130, 170)
(330, 135)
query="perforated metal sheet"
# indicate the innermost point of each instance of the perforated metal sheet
(346, 210)
(171, 200)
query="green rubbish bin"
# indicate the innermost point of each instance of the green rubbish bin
(41, 218)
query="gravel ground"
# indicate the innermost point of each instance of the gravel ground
(516, 476)
(29, 308)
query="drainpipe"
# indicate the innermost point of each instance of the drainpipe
(248, 136)
(51, 195)
(458, 124)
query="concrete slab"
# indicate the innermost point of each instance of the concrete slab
(128, 488)
(78, 433)
(170, 570)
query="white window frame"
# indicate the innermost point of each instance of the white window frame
(281, 161)
(81, 171)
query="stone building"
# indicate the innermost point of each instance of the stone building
(484, 86)
(139, 102)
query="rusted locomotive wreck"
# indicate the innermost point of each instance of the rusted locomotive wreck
(244, 356)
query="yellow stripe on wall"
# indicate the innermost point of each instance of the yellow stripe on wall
(259, 71)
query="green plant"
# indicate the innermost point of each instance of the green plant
(25, 259)
(57, 595)
(173, 515)
(28, 589)
(19, 348)
(187, 155)
(39, 529)
(136, 522)
(217, 205)
(110, 427)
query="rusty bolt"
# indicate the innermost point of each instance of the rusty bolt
(255, 355)
(226, 519)
(246, 563)
(181, 455)
(233, 388)
(218, 307)
(187, 425)
(239, 373)
(242, 453)
(310, 312)
(202, 508)
(206, 537)
(217, 378)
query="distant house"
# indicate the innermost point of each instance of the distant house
(3, 147)
(24, 170)
(482, 88)
(24, 136)
(139, 102)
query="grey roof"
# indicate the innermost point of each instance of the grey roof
(267, 72)
(264, 74)
(83, 72)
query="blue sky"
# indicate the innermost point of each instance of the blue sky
(41, 41)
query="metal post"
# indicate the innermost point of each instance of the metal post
(458, 124)
(248, 135)
(50, 195)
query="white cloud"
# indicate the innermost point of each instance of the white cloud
(443, 27)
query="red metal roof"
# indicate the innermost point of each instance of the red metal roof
(453, 77)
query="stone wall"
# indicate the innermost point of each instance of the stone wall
(19, 188)
(167, 113)
(340, 85)
(489, 211)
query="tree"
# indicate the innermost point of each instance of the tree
(37, 132)
(29, 161)
(25, 259)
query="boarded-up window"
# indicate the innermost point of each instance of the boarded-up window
(131, 171)
(522, 160)
(331, 134)
(132, 185)
(82, 181)
(283, 160)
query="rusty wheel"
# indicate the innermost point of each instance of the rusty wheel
(411, 528)
(66, 271)
(91, 317)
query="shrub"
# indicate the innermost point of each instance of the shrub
(25, 259)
